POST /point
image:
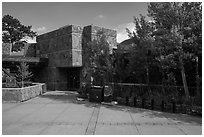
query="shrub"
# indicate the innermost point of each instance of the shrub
(23, 74)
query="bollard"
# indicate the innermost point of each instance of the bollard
(174, 107)
(102, 94)
(127, 101)
(143, 103)
(152, 104)
(135, 101)
(162, 105)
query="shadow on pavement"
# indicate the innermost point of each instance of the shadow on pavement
(66, 97)
(71, 97)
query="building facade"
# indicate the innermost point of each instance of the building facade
(63, 49)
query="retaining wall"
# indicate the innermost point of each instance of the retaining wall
(23, 94)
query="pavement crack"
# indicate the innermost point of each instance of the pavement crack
(175, 125)
(90, 121)
(90, 130)
(134, 123)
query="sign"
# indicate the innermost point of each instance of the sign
(10, 81)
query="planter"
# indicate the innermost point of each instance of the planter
(23, 94)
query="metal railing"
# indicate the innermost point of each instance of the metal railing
(157, 97)
(162, 92)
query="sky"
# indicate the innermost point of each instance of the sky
(48, 16)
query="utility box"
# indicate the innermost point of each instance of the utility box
(96, 94)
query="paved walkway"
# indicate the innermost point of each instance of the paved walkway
(58, 113)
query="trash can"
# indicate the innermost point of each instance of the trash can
(107, 94)
(95, 94)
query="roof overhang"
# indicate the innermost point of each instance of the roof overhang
(29, 60)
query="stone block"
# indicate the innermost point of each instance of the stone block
(21, 94)
(76, 58)
(70, 29)
(44, 89)
(77, 41)
(77, 29)
(31, 50)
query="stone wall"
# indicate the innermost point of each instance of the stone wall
(30, 50)
(63, 48)
(22, 94)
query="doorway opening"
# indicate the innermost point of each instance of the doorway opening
(73, 80)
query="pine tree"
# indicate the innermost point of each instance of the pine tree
(23, 74)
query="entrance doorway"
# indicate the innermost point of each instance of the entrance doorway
(73, 78)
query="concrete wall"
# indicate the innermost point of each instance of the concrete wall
(22, 94)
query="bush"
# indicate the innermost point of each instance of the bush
(23, 74)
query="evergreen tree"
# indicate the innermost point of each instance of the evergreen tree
(23, 74)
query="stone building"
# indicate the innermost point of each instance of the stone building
(63, 49)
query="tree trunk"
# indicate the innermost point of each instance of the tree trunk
(22, 81)
(197, 79)
(163, 90)
(184, 82)
(148, 84)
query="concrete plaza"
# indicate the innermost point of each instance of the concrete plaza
(59, 113)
